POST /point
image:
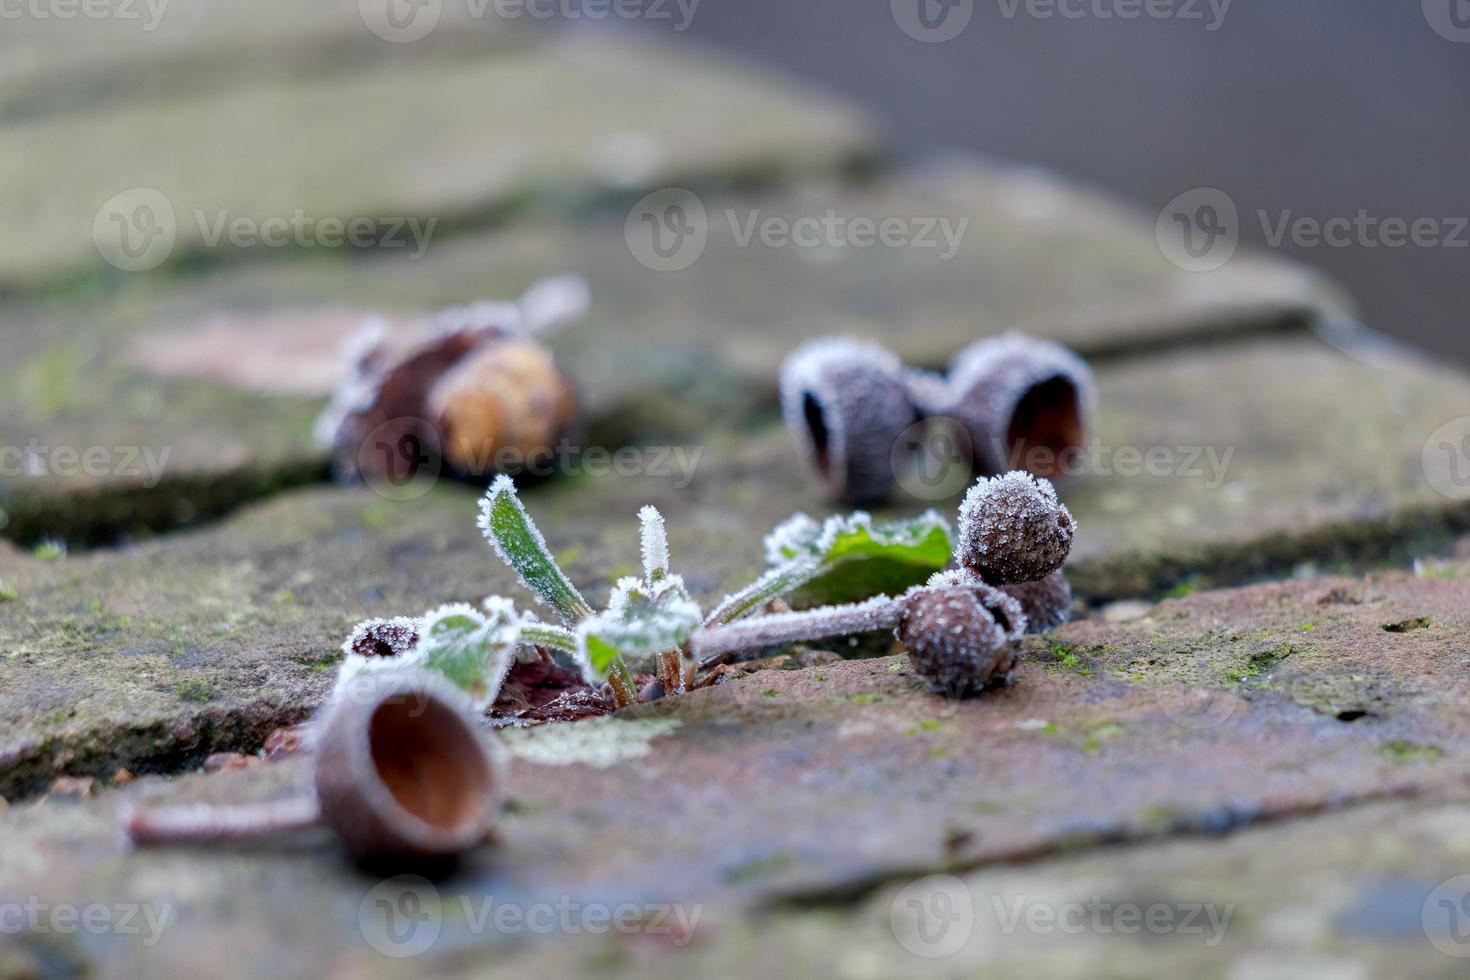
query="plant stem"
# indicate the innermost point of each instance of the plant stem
(776, 582)
(201, 823)
(711, 645)
(621, 682)
(549, 635)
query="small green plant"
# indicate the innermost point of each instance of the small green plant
(649, 620)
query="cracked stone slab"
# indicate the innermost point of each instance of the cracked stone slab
(150, 49)
(570, 120)
(1203, 715)
(227, 372)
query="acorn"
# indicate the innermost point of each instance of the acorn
(1046, 602)
(1025, 403)
(402, 768)
(846, 403)
(1013, 529)
(500, 406)
(960, 639)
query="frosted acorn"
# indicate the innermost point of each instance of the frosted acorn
(403, 768)
(1013, 529)
(1023, 401)
(846, 403)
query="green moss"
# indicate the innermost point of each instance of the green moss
(761, 867)
(1408, 625)
(1401, 751)
(8, 595)
(1258, 664)
(194, 690)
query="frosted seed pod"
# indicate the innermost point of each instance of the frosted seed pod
(1013, 529)
(1047, 602)
(1025, 402)
(846, 403)
(954, 641)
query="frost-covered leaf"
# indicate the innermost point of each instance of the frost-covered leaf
(778, 629)
(520, 545)
(639, 624)
(472, 650)
(843, 559)
(654, 538)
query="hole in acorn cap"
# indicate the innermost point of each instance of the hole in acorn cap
(812, 411)
(430, 762)
(1045, 425)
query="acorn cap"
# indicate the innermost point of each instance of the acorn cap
(502, 405)
(1013, 529)
(404, 767)
(954, 641)
(1047, 603)
(1025, 402)
(846, 403)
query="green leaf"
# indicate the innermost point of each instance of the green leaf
(471, 651)
(843, 559)
(520, 545)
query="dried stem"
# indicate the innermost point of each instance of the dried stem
(202, 823)
(710, 645)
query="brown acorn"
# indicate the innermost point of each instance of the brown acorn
(501, 406)
(403, 768)
(1023, 401)
(846, 403)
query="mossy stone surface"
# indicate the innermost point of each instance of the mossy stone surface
(757, 802)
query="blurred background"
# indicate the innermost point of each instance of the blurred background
(1320, 108)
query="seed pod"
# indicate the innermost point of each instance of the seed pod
(954, 639)
(1047, 603)
(846, 404)
(403, 768)
(407, 770)
(1024, 402)
(502, 405)
(383, 637)
(1013, 529)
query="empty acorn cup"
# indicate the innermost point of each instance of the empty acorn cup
(403, 768)
(1024, 403)
(846, 403)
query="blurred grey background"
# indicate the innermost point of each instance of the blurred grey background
(1320, 108)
